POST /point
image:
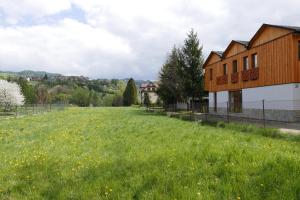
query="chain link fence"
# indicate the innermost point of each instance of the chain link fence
(32, 109)
(278, 113)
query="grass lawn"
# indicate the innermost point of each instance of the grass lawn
(125, 153)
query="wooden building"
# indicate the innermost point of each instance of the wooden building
(266, 68)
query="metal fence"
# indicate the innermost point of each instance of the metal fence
(32, 109)
(281, 113)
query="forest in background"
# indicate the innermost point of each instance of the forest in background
(46, 88)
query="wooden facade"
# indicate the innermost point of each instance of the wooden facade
(277, 55)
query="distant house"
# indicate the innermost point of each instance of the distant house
(149, 88)
(260, 74)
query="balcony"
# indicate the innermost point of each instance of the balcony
(250, 74)
(222, 80)
(235, 77)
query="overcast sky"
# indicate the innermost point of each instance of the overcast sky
(124, 38)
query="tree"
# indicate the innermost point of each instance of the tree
(146, 99)
(28, 91)
(130, 93)
(170, 82)
(94, 99)
(45, 78)
(42, 94)
(81, 97)
(117, 100)
(10, 95)
(191, 62)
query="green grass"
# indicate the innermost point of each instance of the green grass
(125, 153)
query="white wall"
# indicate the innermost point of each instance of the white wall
(222, 98)
(279, 97)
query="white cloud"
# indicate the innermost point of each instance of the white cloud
(68, 47)
(16, 9)
(127, 38)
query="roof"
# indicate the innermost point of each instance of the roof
(218, 53)
(294, 29)
(243, 43)
(247, 44)
(148, 85)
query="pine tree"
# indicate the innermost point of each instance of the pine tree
(170, 81)
(191, 67)
(130, 93)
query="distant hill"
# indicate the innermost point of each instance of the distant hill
(28, 73)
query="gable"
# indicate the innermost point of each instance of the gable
(233, 49)
(268, 33)
(213, 58)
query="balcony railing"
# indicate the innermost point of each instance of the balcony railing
(250, 74)
(222, 80)
(235, 77)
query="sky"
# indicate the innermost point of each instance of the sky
(124, 38)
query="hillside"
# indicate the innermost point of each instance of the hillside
(29, 73)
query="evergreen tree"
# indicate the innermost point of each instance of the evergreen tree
(28, 91)
(170, 81)
(191, 67)
(146, 100)
(45, 78)
(130, 93)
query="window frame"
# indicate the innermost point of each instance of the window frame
(234, 66)
(210, 74)
(245, 63)
(254, 60)
(225, 69)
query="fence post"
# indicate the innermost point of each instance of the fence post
(227, 112)
(264, 117)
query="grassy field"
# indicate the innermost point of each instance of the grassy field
(125, 153)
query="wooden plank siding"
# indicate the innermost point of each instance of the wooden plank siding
(277, 62)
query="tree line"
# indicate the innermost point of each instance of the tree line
(181, 78)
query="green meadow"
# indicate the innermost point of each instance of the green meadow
(126, 153)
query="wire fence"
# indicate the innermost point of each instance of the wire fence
(281, 113)
(27, 110)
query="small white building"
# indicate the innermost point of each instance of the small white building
(149, 88)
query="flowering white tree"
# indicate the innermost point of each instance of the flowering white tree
(10, 95)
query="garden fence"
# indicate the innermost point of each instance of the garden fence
(284, 113)
(30, 109)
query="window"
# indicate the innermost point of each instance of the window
(224, 69)
(254, 60)
(245, 63)
(299, 50)
(234, 66)
(210, 74)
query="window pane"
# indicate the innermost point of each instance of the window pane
(234, 66)
(245, 63)
(224, 69)
(254, 60)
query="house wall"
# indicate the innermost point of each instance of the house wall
(152, 96)
(277, 63)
